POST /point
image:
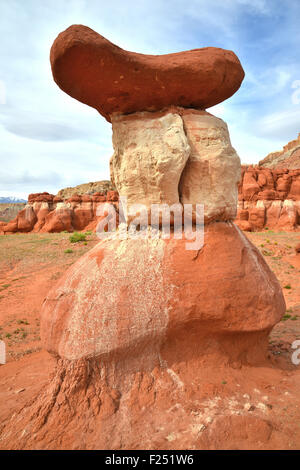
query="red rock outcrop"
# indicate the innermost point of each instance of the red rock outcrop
(269, 198)
(96, 72)
(45, 212)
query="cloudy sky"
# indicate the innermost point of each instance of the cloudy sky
(49, 141)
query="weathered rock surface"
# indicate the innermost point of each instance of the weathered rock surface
(176, 156)
(269, 198)
(150, 153)
(287, 158)
(186, 301)
(96, 72)
(213, 170)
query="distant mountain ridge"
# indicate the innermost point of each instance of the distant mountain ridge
(288, 157)
(11, 200)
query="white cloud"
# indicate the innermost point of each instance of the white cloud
(285, 123)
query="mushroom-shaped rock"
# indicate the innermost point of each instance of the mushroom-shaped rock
(100, 74)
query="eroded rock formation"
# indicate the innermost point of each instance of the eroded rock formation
(269, 198)
(136, 324)
(45, 212)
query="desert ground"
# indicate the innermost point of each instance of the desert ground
(30, 264)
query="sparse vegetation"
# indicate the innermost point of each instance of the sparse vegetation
(77, 237)
(4, 286)
(285, 317)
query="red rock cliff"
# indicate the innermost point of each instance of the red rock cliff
(269, 198)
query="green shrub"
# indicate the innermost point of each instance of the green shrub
(77, 237)
(69, 250)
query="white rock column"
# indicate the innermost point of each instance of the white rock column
(177, 155)
(213, 170)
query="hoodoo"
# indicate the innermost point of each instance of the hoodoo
(137, 325)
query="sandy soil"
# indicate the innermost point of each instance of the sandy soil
(30, 264)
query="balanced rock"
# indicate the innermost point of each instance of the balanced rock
(138, 324)
(96, 72)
